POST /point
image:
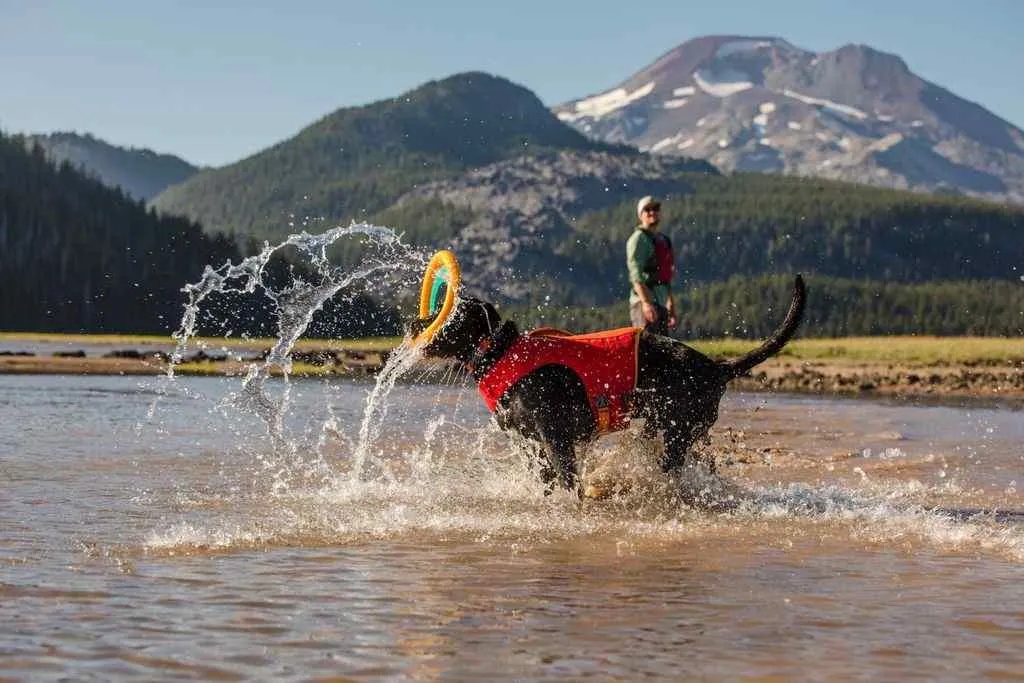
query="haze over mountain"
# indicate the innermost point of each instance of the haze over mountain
(78, 256)
(141, 173)
(358, 160)
(536, 211)
(854, 114)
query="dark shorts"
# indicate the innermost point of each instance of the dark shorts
(659, 326)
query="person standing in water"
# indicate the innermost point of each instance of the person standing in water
(651, 265)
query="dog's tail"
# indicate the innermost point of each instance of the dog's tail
(774, 343)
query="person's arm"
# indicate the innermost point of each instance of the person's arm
(636, 259)
(646, 301)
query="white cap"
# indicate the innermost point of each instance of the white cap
(644, 203)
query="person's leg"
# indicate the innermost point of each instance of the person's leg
(660, 324)
(636, 315)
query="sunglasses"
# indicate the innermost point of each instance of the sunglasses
(652, 209)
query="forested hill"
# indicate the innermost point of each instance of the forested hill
(141, 173)
(553, 228)
(546, 234)
(78, 256)
(478, 163)
(538, 216)
(359, 160)
(756, 224)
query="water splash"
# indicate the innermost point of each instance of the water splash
(296, 304)
(399, 362)
(386, 259)
(456, 484)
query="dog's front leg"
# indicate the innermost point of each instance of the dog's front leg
(550, 406)
(561, 461)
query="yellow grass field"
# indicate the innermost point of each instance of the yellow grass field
(918, 350)
(905, 349)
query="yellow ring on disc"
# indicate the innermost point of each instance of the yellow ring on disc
(443, 259)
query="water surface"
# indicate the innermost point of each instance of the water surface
(160, 530)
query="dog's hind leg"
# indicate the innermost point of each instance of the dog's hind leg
(679, 441)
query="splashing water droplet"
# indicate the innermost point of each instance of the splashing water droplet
(385, 262)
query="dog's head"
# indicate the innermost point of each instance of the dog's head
(470, 322)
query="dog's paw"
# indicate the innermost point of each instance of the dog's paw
(603, 490)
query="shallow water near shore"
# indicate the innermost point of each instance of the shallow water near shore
(159, 529)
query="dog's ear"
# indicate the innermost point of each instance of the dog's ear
(470, 321)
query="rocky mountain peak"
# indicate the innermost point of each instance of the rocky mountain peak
(854, 113)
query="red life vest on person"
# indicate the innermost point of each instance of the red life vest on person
(605, 362)
(662, 265)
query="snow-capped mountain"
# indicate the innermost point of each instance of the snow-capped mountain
(855, 114)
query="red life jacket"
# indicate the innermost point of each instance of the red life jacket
(605, 362)
(662, 266)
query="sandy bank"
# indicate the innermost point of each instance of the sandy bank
(990, 380)
(993, 380)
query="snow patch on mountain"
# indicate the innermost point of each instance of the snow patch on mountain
(676, 140)
(761, 104)
(885, 143)
(606, 103)
(828, 104)
(743, 45)
(722, 84)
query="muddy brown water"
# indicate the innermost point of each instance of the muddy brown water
(154, 530)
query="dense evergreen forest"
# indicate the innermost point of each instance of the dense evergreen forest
(877, 261)
(755, 224)
(751, 308)
(78, 256)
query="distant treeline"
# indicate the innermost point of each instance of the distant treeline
(78, 256)
(756, 224)
(752, 307)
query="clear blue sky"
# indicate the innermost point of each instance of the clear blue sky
(214, 81)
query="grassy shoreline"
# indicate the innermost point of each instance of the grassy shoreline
(903, 349)
(971, 367)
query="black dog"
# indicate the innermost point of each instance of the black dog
(677, 389)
